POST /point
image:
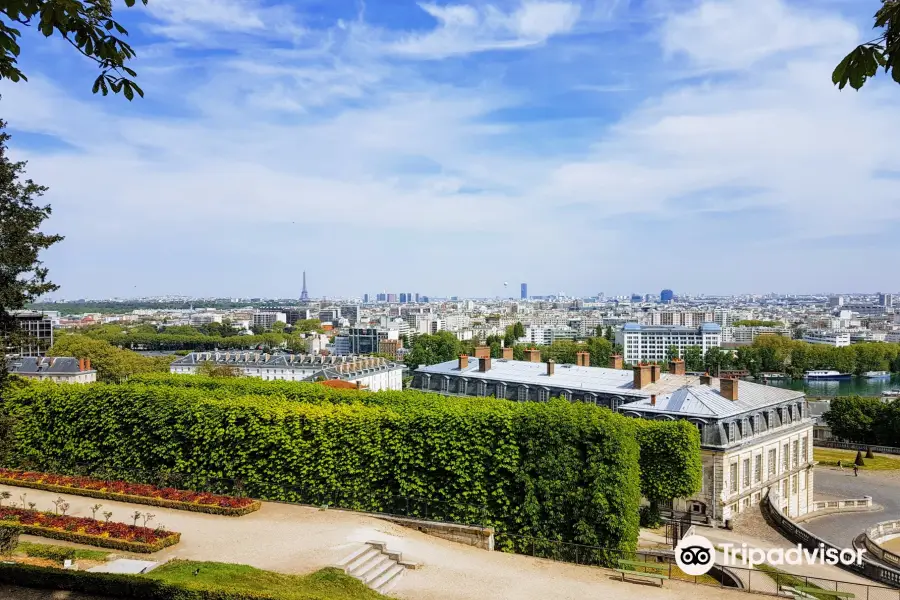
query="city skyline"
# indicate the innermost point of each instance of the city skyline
(578, 145)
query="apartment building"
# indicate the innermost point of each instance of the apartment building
(36, 333)
(266, 319)
(746, 335)
(838, 339)
(648, 343)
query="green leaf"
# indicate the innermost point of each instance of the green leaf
(129, 93)
(96, 87)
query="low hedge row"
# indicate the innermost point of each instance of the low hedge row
(108, 584)
(99, 541)
(149, 501)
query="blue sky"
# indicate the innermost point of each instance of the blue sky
(444, 148)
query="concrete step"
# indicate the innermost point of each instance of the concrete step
(388, 579)
(353, 555)
(361, 568)
(363, 558)
(377, 570)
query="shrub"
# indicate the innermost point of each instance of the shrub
(556, 470)
(9, 538)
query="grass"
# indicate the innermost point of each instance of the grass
(830, 457)
(59, 553)
(326, 584)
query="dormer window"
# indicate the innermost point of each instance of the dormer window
(732, 432)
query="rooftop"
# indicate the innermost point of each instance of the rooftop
(707, 401)
(32, 365)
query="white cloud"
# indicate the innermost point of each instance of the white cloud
(735, 34)
(465, 29)
(198, 21)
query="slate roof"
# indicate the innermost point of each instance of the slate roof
(706, 400)
(36, 365)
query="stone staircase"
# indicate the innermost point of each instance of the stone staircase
(376, 566)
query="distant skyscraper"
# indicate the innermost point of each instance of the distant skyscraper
(417, 296)
(365, 298)
(403, 297)
(886, 300)
(637, 298)
(304, 296)
(666, 296)
(524, 291)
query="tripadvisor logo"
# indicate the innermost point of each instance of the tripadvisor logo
(695, 555)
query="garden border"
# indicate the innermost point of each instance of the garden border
(210, 509)
(95, 540)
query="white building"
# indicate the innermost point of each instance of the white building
(544, 336)
(746, 335)
(648, 343)
(837, 339)
(205, 318)
(60, 369)
(373, 373)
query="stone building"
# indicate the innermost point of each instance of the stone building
(752, 436)
(61, 369)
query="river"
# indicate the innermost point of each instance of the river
(858, 386)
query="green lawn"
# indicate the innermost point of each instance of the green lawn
(327, 584)
(59, 553)
(830, 457)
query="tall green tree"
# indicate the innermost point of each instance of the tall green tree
(853, 418)
(430, 349)
(87, 25)
(883, 52)
(693, 358)
(23, 277)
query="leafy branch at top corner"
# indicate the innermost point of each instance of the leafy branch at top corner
(863, 61)
(87, 25)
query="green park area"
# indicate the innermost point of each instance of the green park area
(829, 457)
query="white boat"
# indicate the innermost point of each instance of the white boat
(773, 376)
(831, 374)
(877, 374)
(891, 393)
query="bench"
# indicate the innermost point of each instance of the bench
(820, 592)
(628, 567)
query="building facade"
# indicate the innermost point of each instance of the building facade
(266, 319)
(837, 339)
(36, 329)
(651, 343)
(373, 373)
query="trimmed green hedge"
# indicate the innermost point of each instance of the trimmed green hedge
(555, 470)
(108, 584)
(147, 500)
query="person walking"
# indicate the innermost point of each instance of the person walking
(856, 470)
(841, 465)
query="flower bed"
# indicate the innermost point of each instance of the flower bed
(82, 530)
(137, 493)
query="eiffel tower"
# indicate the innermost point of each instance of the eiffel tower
(304, 296)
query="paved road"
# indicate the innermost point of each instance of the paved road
(840, 529)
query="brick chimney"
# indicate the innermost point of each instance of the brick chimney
(508, 353)
(533, 355)
(705, 379)
(583, 359)
(463, 362)
(87, 364)
(483, 352)
(652, 399)
(641, 376)
(676, 366)
(615, 361)
(551, 366)
(484, 364)
(654, 373)
(728, 388)
(81, 364)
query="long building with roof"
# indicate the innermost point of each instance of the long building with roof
(372, 373)
(753, 437)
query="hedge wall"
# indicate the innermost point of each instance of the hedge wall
(554, 470)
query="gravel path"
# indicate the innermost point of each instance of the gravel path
(296, 539)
